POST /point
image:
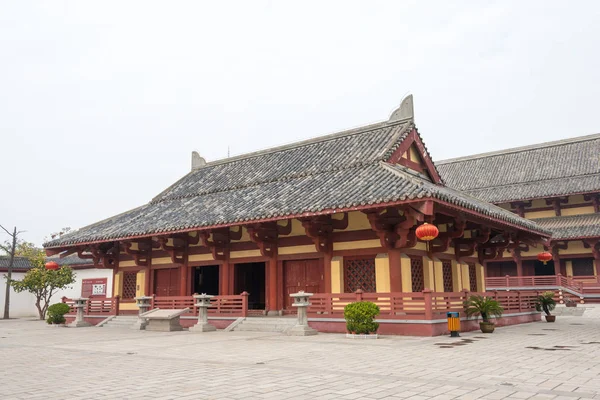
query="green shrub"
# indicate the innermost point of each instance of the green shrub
(360, 317)
(56, 313)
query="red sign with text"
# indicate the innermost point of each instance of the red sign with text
(95, 287)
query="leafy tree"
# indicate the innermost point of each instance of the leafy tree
(43, 283)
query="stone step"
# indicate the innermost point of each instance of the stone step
(271, 321)
(121, 321)
(265, 324)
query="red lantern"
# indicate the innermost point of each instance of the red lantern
(427, 232)
(51, 265)
(544, 257)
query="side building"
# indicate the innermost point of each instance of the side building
(90, 281)
(556, 185)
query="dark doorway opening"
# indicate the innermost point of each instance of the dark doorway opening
(544, 270)
(250, 277)
(206, 280)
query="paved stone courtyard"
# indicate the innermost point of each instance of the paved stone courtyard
(532, 361)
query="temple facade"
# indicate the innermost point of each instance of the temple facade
(335, 216)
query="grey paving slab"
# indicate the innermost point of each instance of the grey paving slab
(533, 361)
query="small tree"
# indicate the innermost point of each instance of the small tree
(484, 306)
(545, 302)
(43, 283)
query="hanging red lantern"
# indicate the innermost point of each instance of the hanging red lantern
(51, 265)
(544, 257)
(427, 232)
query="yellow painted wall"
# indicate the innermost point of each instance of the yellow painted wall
(118, 284)
(298, 249)
(415, 156)
(358, 244)
(297, 229)
(128, 306)
(337, 275)
(569, 268)
(382, 273)
(464, 272)
(161, 260)
(540, 214)
(200, 257)
(357, 221)
(480, 270)
(406, 273)
(428, 273)
(245, 253)
(140, 283)
(438, 274)
(577, 211)
(574, 247)
(125, 264)
(456, 277)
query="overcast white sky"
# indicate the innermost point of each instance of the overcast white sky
(101, 103)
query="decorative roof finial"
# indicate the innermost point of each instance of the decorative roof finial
(405, 111)
(197, 161)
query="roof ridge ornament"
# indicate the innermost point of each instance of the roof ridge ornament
(197, 161)
(405, 111)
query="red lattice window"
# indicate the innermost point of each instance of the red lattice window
(447, 275)
(359, 273)
(129, 284)
(472, 278)
(416, 273)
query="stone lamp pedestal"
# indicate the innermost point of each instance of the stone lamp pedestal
(144, 304)
(301, 301)
(79, 322)
(202, 302)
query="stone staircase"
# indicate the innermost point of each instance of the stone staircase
(592, 311)
(121, 321)
(266, 324)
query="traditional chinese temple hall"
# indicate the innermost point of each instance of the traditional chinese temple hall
(363, 214)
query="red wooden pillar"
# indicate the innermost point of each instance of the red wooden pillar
(327, 272)
(183, 279)
(147, 273)
(271, 285)
(225, 278)
(556, 259)
(395, 270)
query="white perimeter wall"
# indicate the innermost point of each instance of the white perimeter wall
(23, 304)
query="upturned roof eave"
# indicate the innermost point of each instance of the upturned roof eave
(542, 233)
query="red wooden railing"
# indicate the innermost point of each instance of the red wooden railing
(97, 305)
(224, 306)
(580, 284)
(425, 305)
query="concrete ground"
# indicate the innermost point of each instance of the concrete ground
(532, 361)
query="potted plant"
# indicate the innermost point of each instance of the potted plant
(486, 307)
(360, 319)
(570, 303)
(545, 302)
(56, 314)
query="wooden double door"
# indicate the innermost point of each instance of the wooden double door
(306, 275)
(166, 282)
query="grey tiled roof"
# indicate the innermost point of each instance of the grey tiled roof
(548, 169)
(22, 263)
(570, 227)
(19, 263)
(335, 172)
(70, 260)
